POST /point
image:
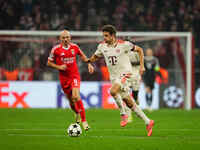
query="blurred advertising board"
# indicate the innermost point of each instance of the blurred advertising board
(45, 94)
(90, 93)
(28, 94)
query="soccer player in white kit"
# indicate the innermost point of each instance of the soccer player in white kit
(115, 53)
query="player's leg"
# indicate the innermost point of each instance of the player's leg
(73, 105)
(148, 95)
(114, 91)
(76, 98)
(135, 84)
(149, 85)
(79, 103)
(134, 107)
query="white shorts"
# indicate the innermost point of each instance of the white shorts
(124, 83)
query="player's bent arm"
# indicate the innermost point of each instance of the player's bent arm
(93, 58)
(86, 60)
(55, 66)
(141, 55)
(83, 57)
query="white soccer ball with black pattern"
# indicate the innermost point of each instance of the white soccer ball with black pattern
(74, 130)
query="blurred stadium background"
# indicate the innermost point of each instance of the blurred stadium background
(29, 29)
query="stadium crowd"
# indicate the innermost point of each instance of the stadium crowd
(126, 15)
(91, 15)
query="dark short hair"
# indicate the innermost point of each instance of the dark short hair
(110, 29)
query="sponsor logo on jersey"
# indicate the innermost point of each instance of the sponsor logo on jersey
(68, 60)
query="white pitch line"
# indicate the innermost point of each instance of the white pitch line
(123, 129)
(31, 129)
(36, 135)
(127, 137)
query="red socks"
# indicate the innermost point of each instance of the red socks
(81, 110)
(78, 107)
(74, 107)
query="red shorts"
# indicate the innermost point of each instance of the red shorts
(69, 84)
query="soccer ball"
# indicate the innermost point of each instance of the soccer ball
(74, 130)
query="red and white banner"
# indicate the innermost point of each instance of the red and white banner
(28, 94)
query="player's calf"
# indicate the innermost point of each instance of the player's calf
(78, 118)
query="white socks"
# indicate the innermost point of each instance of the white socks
(119, 102)
(140, 113)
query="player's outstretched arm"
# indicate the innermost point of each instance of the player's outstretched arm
(55, 66)
(93, 58)
(141, 55)
(85, 59)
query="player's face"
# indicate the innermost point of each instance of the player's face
(108, 38)
(65, 38)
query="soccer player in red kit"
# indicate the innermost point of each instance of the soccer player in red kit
(63, 58)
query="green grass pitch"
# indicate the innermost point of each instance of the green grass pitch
(44, 129)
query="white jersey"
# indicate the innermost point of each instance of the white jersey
(116, 58)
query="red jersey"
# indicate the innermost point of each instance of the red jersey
(61, 55)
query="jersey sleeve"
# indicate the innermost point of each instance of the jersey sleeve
(98, 52)
(78, 50)
(52, 53)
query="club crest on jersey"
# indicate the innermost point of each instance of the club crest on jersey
(118, 50)
(62, 54)
(72, 51)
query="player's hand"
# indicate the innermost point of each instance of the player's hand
(62, 67)
(142, 70)
(90, 68)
